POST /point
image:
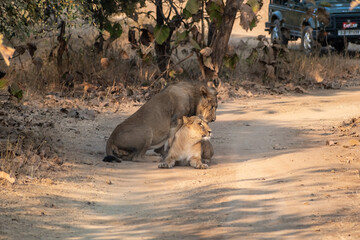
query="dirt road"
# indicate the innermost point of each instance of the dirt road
(272, 177)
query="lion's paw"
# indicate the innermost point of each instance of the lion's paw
(201, 166)
(164, 165)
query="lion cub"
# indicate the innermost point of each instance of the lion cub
(186, 146)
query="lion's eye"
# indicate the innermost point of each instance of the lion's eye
(200, 123)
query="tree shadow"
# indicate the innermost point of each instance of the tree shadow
(145, 202)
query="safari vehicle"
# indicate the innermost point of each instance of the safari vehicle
(331, 22)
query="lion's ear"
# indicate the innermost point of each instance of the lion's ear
(185, 119)
(203, 91)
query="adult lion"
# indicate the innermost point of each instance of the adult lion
(156, 121)
(187, 148)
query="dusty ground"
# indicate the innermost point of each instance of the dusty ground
(273, 177)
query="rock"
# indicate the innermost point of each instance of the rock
(330, 143)
(278, 147)
(64, 110)
(49, 205)
(73, 113)
(299, 89)
(89, 114)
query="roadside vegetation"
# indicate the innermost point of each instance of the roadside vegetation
(76, 58)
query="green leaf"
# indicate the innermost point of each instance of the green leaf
(161, 33)
(115, 30)
(230, 62)
(248, 19)
(215, 11)
(3, 83)
(16, 91)
(253, 24)
(172, 74)
(179, 37)
(192, 6)
(195, 44)
(186, 14)
(254, 4)
(253, 58)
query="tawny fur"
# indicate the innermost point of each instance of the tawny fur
(187, 144)
(156, 121)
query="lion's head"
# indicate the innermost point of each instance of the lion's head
(208, 104)
(196, 128)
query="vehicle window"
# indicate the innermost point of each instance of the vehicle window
(280, 2)
(332, 1)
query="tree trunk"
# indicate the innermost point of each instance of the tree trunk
(61, 49)
(163, 51)
(220, 43)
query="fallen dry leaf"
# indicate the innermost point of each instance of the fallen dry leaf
(206, 51)
(104, 63)
(354, 142)
(6, 52)
(6, 176)
(123, 55)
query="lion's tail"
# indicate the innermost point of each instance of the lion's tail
(109, 153)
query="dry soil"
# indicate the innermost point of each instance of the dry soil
(272, 177)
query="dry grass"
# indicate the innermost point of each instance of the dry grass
(41, 74)
(27, 141)
(83, 73)
(324, 69)
(84, 70)
(329, 70)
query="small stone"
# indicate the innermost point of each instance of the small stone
(278, 147)
(64, 110)
(330, 143)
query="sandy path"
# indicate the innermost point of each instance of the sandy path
(272, 177)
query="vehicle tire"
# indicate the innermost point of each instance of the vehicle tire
(307, 41)
(276, 34)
